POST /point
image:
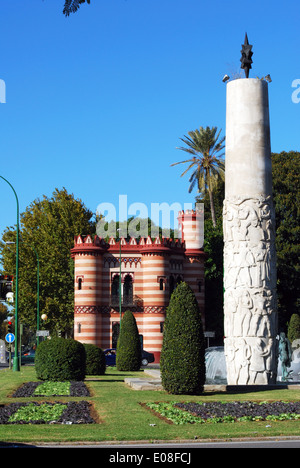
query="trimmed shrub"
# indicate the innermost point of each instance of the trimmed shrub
(95, 360)
(129, 351)
(60, 359)
(294, 328)
(182, 361)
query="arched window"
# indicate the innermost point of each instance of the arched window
(79, 283)
(128, 291)
(115, 290)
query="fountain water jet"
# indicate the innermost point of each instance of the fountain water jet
(215, 365)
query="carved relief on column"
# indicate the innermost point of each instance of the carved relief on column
(250, 290)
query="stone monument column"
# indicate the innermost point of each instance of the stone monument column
(250, 312)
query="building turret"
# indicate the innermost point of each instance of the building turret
(87, 254)
(191, 228)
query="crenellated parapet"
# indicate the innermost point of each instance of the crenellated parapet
(96, 245)
(88, 245)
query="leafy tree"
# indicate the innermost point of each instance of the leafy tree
(71, 6)
(4, 313)
(182, 361)
(129, 351)
(48, 226)
(213, 248)
(132, 227)
(206, 163)
(286, 194)
(294, 328)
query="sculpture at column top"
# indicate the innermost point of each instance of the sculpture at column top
(246, 56)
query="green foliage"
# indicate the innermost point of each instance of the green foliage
(213, 248)
(129, 352)
(95, 360)
(45, 412)
(53, 388)
(48, 226)
(60, 359)
(294, 328)
(176, 415)
(182, 361)
(286, 194)
(4, 313)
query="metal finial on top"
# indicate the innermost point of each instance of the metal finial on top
(246, 56)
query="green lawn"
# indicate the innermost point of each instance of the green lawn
(122, 417)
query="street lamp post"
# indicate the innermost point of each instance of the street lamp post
(38, 296)
(120, 281)
(16, 364)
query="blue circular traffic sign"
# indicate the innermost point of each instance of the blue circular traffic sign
(10, 337)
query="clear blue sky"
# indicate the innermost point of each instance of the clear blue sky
(98, 101)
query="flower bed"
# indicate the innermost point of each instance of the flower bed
(72, 412)
(74, 388)
(216, 412)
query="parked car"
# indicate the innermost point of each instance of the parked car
(26, 358)
(111, 354)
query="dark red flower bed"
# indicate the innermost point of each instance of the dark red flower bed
(240, 409)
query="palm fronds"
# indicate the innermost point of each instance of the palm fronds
(71, 6)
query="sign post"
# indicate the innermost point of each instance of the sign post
(10, 338)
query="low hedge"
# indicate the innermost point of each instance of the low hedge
(95, 360)
(60, 359)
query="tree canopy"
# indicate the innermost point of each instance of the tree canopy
(286, 195)
(47, 227)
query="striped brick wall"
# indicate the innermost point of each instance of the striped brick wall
(155, 267)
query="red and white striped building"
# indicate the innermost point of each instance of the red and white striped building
(150, 270)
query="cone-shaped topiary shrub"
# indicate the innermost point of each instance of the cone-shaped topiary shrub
(60, 359)
(95, 360)
(129, 352)
(182, 361)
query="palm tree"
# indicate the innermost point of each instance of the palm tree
(206, 162)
